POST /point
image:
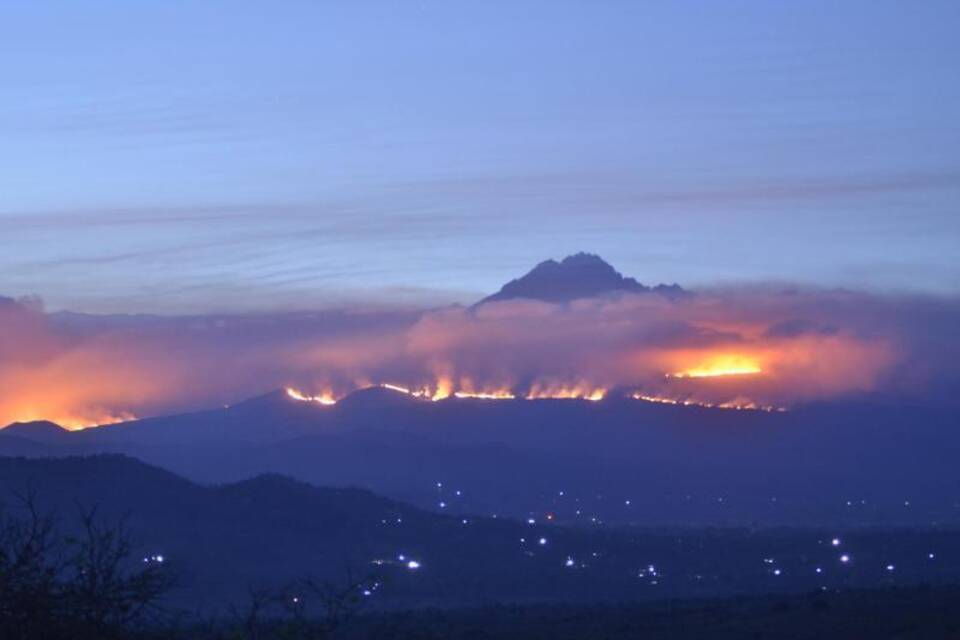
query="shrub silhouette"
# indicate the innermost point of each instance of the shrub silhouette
(80, 584)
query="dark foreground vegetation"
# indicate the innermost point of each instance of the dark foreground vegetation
(83, 582)
(894, 613)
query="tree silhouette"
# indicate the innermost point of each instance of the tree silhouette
(83, 585)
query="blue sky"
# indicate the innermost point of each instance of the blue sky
(187, 157)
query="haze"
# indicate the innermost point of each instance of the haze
(198, 157)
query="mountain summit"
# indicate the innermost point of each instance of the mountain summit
(37, 430)
(582, 275)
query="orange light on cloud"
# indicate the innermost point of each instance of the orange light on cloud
(720, 365)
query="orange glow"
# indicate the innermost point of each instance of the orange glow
(468, 389)
(426, 392)
(481, 395)
(326, 398)
(72, 421)
(394, 387)
(579, 391)
(720, 365)
(537, 392)
(443, 389)
(739, 404)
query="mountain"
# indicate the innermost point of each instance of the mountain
(36, 431)
(582, 275)
(618, 460)
(269, 529)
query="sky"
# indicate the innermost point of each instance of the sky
(182, 157)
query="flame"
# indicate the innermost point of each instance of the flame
(394, 387)
(427, 393)
(721, 365)
(441, 390)
(739, 404)
(326, 398)
(486, 395)
(444, 389)
(579, 391)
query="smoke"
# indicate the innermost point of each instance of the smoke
(804, 345)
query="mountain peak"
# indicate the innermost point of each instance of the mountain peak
(581, 275)
(37, 430)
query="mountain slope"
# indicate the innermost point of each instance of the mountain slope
(37, 431)
(267, 530)
(675, 464)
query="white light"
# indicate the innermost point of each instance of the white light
(890, 567)
(776, 572)
(367, 592)
(401, 557)
(835, 542)
(531, 521)
(458, 492)
(542, 541)
(413, 565)
(159, 558)
(443, 505)
(819, 570)
(844, 558)
(464, 521)
(569, 562)
(626, 502)
(931, 556)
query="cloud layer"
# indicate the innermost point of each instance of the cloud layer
(804, 345)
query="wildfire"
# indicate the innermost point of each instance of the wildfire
(538, 392)
(482, 395)
(325, 398)
(394, 387)
(723, 365)
(562, 392)
(74, 422)
(737, 404)
(440, 392)
(580, 391)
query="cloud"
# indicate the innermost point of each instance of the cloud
(809, 345)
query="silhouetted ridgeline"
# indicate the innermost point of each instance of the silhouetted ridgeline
(616, 461)
(269, 530)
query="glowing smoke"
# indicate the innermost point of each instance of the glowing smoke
(777, 349)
